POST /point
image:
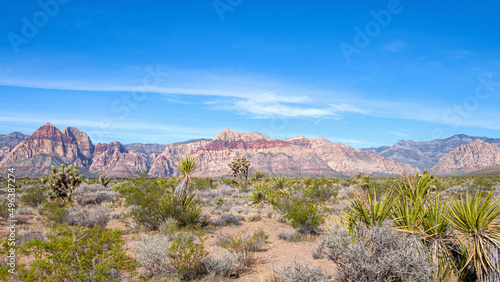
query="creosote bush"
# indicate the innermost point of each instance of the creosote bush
(34, 196)
(150, 205)
(76, 254)
(303, 212)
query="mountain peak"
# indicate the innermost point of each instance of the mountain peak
(229, 135)
(48, 132)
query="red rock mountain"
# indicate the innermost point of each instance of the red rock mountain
(468, 158)
(297, 156)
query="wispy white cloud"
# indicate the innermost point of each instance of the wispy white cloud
(400, 134)
(394, 46)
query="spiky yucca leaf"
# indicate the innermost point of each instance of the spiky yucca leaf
(474, 218)
(372, 213)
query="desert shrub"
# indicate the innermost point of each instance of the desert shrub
(289, 235)
(303, 212)
(226, 220)
(88, 216)
(86, 188)
(243, 245)
(54, 212)
(221, 263)
(219, 201)
(105, 196)
(153, 254)
(76, 254)
(321, 189)
(186, 256)
(168, 228)
(379, 253)
(34, 196)
(150, 206)
(300, 271)
(25, 210)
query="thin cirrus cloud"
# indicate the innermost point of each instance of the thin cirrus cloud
(395, 46)
(259, 97)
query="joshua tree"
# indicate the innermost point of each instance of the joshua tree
(186, 165)
(357, 178)
(239, 171)
(104, 179)
(63, 181)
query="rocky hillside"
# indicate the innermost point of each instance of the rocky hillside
(424, 155)
(146, 148)
(11, 139)
(475, 156)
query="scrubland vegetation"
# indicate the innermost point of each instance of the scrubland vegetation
(408, 228)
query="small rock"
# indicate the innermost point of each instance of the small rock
(38, 218)
(233, 275)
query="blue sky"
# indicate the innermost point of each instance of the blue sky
(364, 73)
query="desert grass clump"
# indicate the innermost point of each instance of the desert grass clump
(300, 271)
(378, 253)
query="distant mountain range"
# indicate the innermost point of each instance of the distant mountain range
(299, 156)
(425, 155)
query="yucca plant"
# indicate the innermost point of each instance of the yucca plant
(186, 165)
(416, 187)
(279, 182)
(263, 192)
(474, 219)
(436, 233)
(409, 215)
(370, 212)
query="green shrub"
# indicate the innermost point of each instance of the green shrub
(34, 196)
(54, 212)
(151, 206)
(219, 201)
(76, 254)
(302, 211)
